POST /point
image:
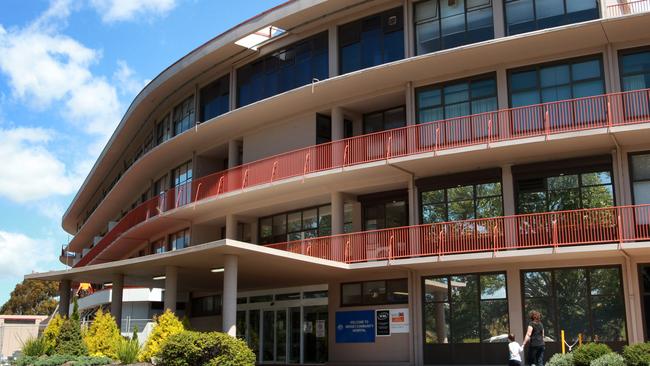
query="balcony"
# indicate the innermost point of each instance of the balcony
(545, 230)
(624, 7)
(488, 129)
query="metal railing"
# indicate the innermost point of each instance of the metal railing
(550, 229)
(625, 7)
(541, 120)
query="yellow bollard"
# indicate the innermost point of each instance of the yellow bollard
(563, 344)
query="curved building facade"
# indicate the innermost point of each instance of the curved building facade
(386, 181)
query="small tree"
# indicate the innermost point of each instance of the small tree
(51, 333)
(167, 325)
(70, 340)
(75, 310)
(103, 336)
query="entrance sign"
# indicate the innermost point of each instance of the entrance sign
(382, 322)
(355, 326)
(320, 328)
(399, 320)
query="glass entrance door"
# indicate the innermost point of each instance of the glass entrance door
(274, 340)
(315, 333)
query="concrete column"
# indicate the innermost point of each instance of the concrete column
(233, 153)
(411, 118)
(117, 293)
(333, 40)
(414, 215)
(515, 307)
(338, 219)
(502, 88)
(498, 18)
(255, 232)
(229, 298)
(338, 128)
(409, 36)
(357, 217)
(171, 288)
(231, 227)
(64, 297)
(509, 205)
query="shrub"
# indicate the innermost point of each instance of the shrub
(167, 325)
(610, 359)
(70, 341)
(637, 354)
(25, 360)
(588, 352)
(51, 333)
(194, 348)
(103, 336)
(127, 350)
(559, 359)
(57, 360)
(34, 347)
(92, 361)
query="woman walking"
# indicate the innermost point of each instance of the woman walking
(535, 335)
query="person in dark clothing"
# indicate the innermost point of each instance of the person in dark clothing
(535, 335)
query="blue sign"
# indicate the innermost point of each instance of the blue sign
(355, 326)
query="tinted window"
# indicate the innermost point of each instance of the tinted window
(215, 98)
(529, 15)
(635, 70)
(456, 99)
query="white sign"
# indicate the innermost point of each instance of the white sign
(399, 320)
(320, 328)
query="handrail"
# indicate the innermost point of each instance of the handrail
(628, 7)
(490, 235)
(488, 128)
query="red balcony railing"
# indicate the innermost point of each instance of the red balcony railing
(551, 229)
(602, 111)
(625, 7)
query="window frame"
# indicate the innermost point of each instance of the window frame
(286, 233)
(214, 84)
(631, 171)
(536, 20)
(362, 303)
(383, 119)
(190, 114)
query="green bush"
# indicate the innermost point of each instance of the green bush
(57, 360)
(54, 360)
(51, 333)
(34, 347)
(195, 348)
(70, 341)
(588, 352)
(559, 359)
(637, 354)
(610, 359)
(25, 360)
(92, 361)
(127, 350)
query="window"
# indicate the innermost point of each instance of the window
(159, 246)
(384, 120)
(635, 75)
(206, 306)
(184, 116)
(468, 308)
(554, 82)
(473, 201)
(529, 15)
(179, 240)
(587, 301)
(372, 41)
(380, 292)
(296, 225)
(442, 24)
(285, 69)
(163, 131)
(323, 129)
(215, 99)
(640, 172)
(456, 99)
(181, 181)
(384, 210)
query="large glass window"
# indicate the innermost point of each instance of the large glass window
(456, 99)
(208, 306)
(371, 41)
(183, 118)
(468, 308)
(529, 15)
(585, 301)
(384, 212)
(442, 24)
(296, 225)
(181, 181)
(215, 98)
(180, 239)
(384, 120)
(283, 70)
(640, 172)
(635, 70)
(472, 201)
(379, 292)
(163, 130)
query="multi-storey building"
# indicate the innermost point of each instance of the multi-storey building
(387, 181)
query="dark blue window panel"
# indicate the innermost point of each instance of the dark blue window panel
(371, 41)
(284, 70)
(530, 15)
(215, 98)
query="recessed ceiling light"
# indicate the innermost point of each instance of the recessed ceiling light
(157, 278)
(217, 270)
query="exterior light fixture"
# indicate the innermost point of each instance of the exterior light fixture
(217, 270)
(109, 284)
(158, 278)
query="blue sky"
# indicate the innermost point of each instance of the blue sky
(68, 71)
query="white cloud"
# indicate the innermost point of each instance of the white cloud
(123, 10)
(20, 254)
(32, 172)
(125, 77)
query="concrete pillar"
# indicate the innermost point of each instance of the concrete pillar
(255, 232)
(515, 307)
(502, 88)
(414, 215)
(229, 313)
(498, 18)
(509, 205)
(64, 297)
(233, 153)
(338, 128)
(333, 41)
(117, 293)
(231, 227)
(411, 118)
(338, 219)
(409, 30)
(357, 217)
(171, 288)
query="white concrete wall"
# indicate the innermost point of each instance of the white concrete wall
(295, 133)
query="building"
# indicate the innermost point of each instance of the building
(387, 181)
(15, 330)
